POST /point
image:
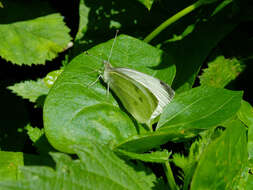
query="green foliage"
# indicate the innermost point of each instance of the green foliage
(33, 41)
(97, 168)
(245, 114)
(87, 110)
(34, 133)
(221, 71)
(9, 163)
(223, 160)
(31, 90)
(147, 3)
(202, 140)
(200, 108)
(156, 157)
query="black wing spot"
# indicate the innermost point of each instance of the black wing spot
(166, 87)
(136, 88)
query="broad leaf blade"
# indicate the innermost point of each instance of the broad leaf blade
(75, 111)
(199, 109)
(33, 41)
(223, 160)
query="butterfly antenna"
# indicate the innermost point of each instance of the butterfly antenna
(117, 31)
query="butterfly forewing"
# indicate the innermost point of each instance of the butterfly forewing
(135, 97)
(162, 92)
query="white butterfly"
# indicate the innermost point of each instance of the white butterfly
(143, 96)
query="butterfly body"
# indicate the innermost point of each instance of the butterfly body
(143, 96)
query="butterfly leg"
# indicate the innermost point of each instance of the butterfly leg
(107, 90)
(94, 82)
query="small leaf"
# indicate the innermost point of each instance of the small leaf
(9, 163)
(199, 109)
(33, 41)
(30, 90)
(155, 157)
(51, 77)
(97, 168)
(222, 5)
(147, 3)
(83, 20)
(223, 160)
(34, 133)
(221, 71)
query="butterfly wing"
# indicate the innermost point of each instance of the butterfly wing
(162, 92)
(136, 98)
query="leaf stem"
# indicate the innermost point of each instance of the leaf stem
(169, 175)
(172, 19)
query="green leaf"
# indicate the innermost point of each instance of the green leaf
(97, 168)
(188, 30)
(199, 109)
(34, 133)
(39, 140)
(245, 114)
(31, 90)
(51, 77)
(223, 160)
(74, 110)
(147, 3)
(155, 157)
(33, 41)
(189, 163)
(222, 5)
(221, 71)
(149, 140)
(9, 163)
(83, 20)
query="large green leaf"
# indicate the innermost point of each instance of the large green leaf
(33, 41)
(199, 108)
(188, 114)
(75, 111)
(9, 163)
(224, 159)
(97, 168)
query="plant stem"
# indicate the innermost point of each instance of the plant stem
(172, 19)
(169, 175)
